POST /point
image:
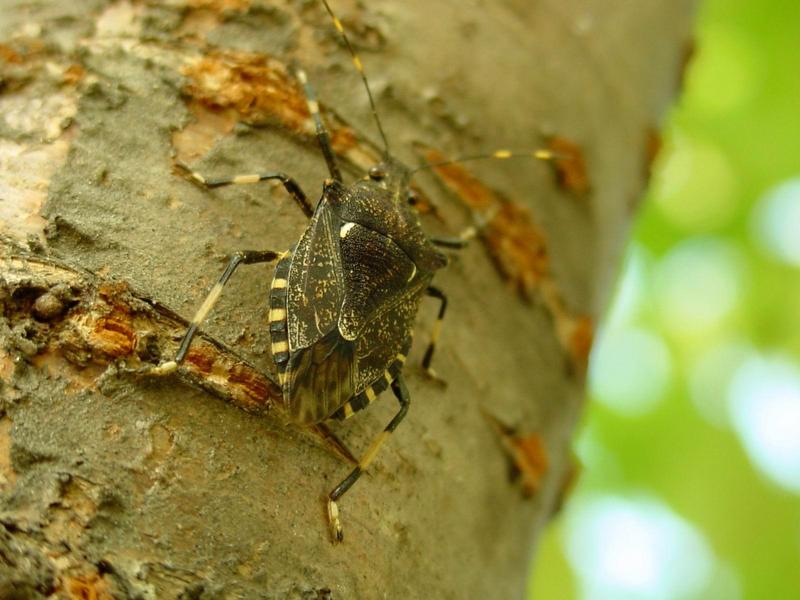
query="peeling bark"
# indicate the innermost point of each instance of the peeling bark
(114, 485)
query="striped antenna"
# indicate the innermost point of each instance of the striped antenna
(498, 154)
(360, 68)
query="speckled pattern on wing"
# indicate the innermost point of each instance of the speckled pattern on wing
(315, 290)
(376, 276)
(353, 288)
(384, 338)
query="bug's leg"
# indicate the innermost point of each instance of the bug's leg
(247, 257)
(291, 186)
(465, 237)
(400, 390)
(323, 137)
(437, 327)
(453, 243)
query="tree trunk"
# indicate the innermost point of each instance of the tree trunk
(116, 485)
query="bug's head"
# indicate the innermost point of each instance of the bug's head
(389, 181)
(393, 177)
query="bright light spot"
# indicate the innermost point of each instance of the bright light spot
(709, 378)
(724, 74)
(696, 186)
(630, 296)
(765, 410)
(629, 370)
(696, 286)
(635, 548)
(777, 221)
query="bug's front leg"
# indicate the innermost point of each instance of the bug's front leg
(456, 243)
(289, 184)
(401, 392)
(466, 236)
(247, 257)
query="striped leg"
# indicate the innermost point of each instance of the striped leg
(247, 257)
(291, 186)
(400, 390)
(453, 243)
(322, 134)
(437, 327)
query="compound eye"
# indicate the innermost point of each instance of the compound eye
(377, 173)
(413, 197)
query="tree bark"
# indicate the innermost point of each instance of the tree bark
(121, 486)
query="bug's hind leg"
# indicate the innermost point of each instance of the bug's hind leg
(247, 257)
(289, 184)
(400, 390)
(437, 328)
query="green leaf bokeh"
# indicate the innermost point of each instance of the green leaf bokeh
(702, 290)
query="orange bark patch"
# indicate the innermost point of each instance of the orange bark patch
(249, 388)
(226, 86)
(518, 248)
(254, 388)
(87, 587)
(575, 332)
(7, 366)
(257, 87)
(220, 6)
(530, 457)
(580, 341)
(8, 477)
(9, 55)
(73, 74)
(570, 165)
(200, 359)
(528, 454)
(113, 336)
(460, 181)
(107, 321)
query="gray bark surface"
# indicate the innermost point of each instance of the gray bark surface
(150, 488)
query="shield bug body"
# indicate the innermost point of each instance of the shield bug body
(344, 298)
(343, 303)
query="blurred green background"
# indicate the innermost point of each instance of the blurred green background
(691, 442)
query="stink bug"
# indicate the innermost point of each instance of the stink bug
(344, 298)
